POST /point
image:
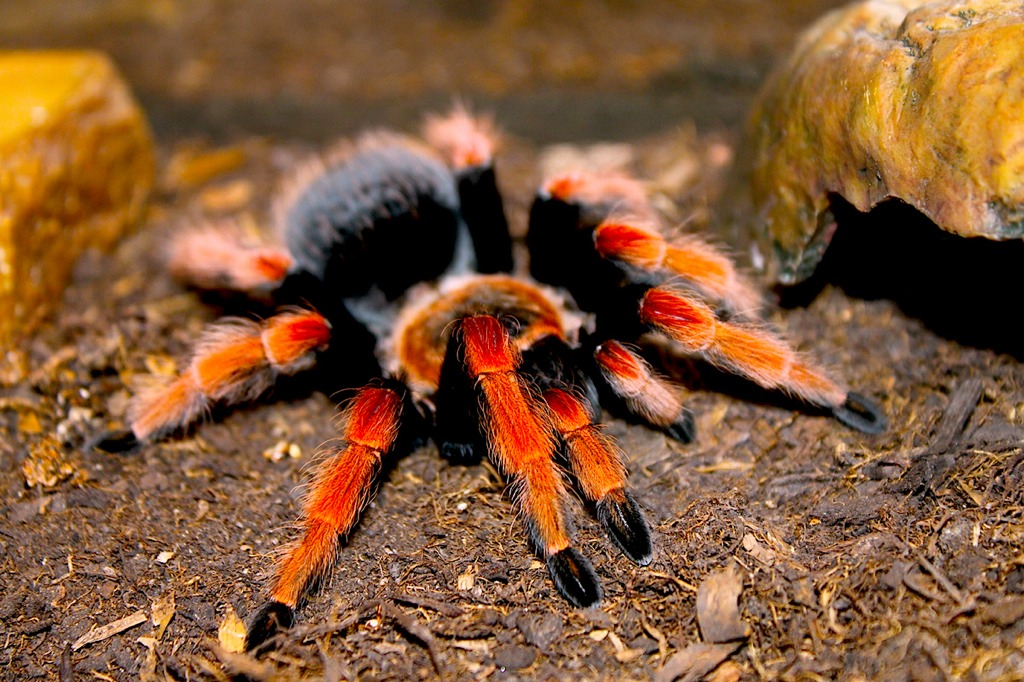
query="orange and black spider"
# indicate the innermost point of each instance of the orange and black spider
(395, 265)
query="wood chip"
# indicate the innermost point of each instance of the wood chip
(466, 581)
(163, 612)
(623, 653)
(962, 402)
(147, 671)
(758, 550)
(231, 633)
(718, 611)
(695, 661)
(110, 629)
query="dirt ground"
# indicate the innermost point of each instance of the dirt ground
(893, 557)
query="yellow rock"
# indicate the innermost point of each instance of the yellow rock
(921, 101)
(76, 167)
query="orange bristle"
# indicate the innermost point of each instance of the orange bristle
(272, 265)
(488, 348)
(568, 413)
(595, 462)
(216, 257)
(756, 353)
(373, 418)
(616, 359)
(341, 489)
(634, 245)
(814, 385)
(681, 317)
(165, 408)
(696, 260)
(466, 141)
(641, 245)
(517, 434)
(540, 492)
(772, 363)
(312, 556)
(701, 263)
(563, 187)
(219, 369)
(750, 351)
(339, 492)
(231, 364)
(614, 189)
(520, 439)
(631, 377)
(290, 338)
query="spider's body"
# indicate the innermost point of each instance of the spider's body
(421, 333)
(390, 243)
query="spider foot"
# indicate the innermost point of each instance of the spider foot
(115, 442)
(684, 428)
(268, 620)
(574, 577)
(626, 526)
(861, 414)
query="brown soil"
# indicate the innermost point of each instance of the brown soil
(891, 557)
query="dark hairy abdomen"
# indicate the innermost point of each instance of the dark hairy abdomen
(387, 215)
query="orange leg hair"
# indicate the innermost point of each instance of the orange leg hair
(463, 139)
(214, 257)
(521, 441)
(338, 493)
(651, 397)
(341, 487)
(594, 459)
(690, 257)
(597, 465)
(746, 350)
(600, 193)
(519, 437)
(233, 361)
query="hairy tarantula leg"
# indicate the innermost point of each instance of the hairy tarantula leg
(597, 195)
(562, 219)
(338, 493)
(214, 257)
(651, 397)
(597, 465)
(641, 246)
(468, 143)
(752, 352)
(234, 361)
(522, 443)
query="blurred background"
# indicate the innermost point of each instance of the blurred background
(309, 69)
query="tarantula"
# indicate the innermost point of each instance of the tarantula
(396, 258)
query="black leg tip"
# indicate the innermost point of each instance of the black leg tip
(575, 578)
(460, 453)
(115, 442)
(626, 526)
(268, 620)
(684, 428)
(860, 414)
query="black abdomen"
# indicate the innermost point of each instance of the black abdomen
(386, 215)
